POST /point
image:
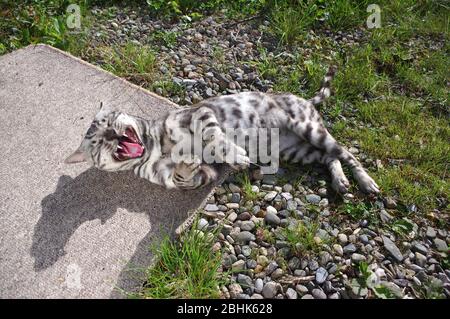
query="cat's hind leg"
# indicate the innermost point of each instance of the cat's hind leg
(317, 135)
(339, 181)
(306, 154)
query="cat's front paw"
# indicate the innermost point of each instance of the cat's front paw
(237, 158)
(340, 184)
(242, 162)
(190, 159)
(186, 170)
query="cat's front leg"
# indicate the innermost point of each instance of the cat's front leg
(159, 172)
(193, 174)
(186, 174)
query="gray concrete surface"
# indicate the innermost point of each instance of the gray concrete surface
(69, 231)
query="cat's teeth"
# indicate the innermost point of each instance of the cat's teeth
(119, 147)
(125, 135)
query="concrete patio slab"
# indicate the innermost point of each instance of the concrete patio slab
(69, 231)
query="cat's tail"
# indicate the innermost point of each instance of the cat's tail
(325, 90)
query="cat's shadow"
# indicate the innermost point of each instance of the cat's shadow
(95, 194)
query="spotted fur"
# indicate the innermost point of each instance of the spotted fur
(303, 138)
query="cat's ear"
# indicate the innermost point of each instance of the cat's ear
(77, 157)
(104, 108)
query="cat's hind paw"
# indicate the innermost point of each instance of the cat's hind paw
(340, 184)
(368, 185)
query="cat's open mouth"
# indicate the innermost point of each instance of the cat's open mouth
(129, 146)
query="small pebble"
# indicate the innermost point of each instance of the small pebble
(318, 294)
(270, 290)
(321, 275)
(291, 293)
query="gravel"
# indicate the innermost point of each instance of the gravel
(321, 275)
(270, 290)
(343, 239)
(202, 224)
(313, 198)
(357, 258)
(431, 232)
(318, 294)
(244, 280)
(271, 267)
(420, 248)
(235, 290)
(211, 208)
(259, 285)
(238, 266)
(247, 225)
(385, 216)
(349, 249)
(440, 245)
(270, 196)
(272, 218)
(291, 293)
(392, 249)
(244, 237)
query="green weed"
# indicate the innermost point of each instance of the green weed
(184, 269)
(134, 62)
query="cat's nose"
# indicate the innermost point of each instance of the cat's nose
(110, 135)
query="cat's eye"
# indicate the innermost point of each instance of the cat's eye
(110, 135)
(92, 129)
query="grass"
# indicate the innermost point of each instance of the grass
(187, 268)
(30, 22)
(267, 65)
(264, 234)
(134, 62)
(246, 186)
(169, 88)
(430, 289)
(357, 211)
(292, 19)
(166, 38)
(301, 238)
(391, 96)
(194, 9)
(177, 8)
(402, 227)
(401, 129)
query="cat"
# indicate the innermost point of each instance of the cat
(117, 141)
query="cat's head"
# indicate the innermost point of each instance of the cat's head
(113, 142)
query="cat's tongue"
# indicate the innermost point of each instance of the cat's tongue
(131, 149)
(129, 146)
